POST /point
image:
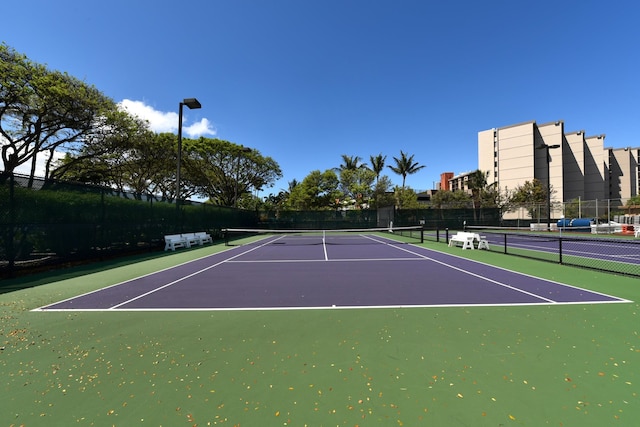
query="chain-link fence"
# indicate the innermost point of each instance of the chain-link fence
(47, 222)
(599, 211)
(584, 248)
(384, 217)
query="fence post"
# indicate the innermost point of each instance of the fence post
(560, 249)
(11, 229)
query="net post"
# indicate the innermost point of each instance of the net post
(225, 236)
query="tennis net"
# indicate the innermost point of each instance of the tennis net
(354, 236)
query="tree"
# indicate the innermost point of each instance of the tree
(633, 201)
(356, 184)
(406, 198)
(317, 191)
(382, 194)
(476, 183)
(224, 171)
(44, 111)
(405, 166)
(148, 165)
(350, 163)
(493, 197)
(292, 184)
(377, 164)
(451, 199)
(530, 195)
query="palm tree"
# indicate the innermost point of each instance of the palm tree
(477, 183)
(377, 164)
(292, 184)
(405, 166)
(350, 163)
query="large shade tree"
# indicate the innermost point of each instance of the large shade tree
(43, 112)
(317, 191)
(530, 195)
(357, 186)
(146, 166)
(224, 171)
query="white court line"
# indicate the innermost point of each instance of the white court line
(394, 244)
(284, 261)
(341, 307)
(421, 257)
(511, 271)
(190, 275)
(44, 307)
(324, 246)
(133, 279)
(496, 282)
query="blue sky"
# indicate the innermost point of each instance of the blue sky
(307, 81)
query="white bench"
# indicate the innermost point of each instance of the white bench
(636, 232)
(199, 238)
(173, 241)
(204, 237)
(191, 239)
(468, 240)
(186, 240)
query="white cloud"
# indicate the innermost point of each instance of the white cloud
(160, 121)
(203, 127)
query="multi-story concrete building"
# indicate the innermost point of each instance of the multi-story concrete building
(623, 180)
(577, 166)
(460, 182)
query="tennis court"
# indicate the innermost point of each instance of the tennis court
(585, 245)
(348, 269)
(248, 335)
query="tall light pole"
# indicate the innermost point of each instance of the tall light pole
(193, 104)
(546, 147)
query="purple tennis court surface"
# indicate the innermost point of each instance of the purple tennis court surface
(374, 272)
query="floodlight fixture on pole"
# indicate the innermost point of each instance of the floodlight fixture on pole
(547, 147)
(193, 104)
